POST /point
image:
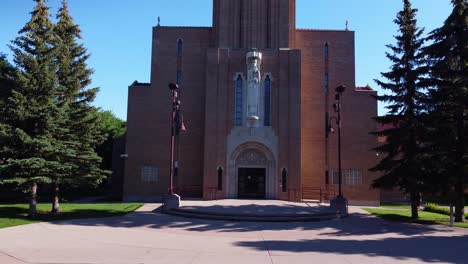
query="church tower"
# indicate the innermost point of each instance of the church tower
(254, 23)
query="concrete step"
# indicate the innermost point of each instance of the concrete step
(317, 212)
(300, 217)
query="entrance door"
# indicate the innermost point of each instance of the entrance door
(251, 183)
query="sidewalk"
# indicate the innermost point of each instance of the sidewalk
(148, 237)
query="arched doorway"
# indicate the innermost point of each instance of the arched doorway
(252, 173)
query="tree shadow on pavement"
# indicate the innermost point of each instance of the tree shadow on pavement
(356, 224)
(425, 248)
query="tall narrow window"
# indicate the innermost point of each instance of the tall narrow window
(239, 101)
(266, 121)
(326, 51)
(220, 179)
(284, 183)
(326, 84)
(327, 125)
(326, 77)
(179, 78)
(180, 46)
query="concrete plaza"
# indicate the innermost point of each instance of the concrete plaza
(148, 237)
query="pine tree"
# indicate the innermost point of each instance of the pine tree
(83, 134)
(29, 117)
(7, 79)
(402, 151)
(448, 56)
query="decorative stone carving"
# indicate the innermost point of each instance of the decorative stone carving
(254, 61)
(252, 157)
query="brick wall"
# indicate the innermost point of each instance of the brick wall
(148, 127)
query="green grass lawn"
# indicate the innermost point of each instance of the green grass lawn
(427, 218)
(408, 207)
(395, 206)
(17, 214)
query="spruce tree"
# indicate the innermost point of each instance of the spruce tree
(401, 152)
(7, 79)
(74, 96)
(30, 115)
(448, 57)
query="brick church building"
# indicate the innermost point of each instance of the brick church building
(257, 96)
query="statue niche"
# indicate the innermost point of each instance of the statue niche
(254, 61)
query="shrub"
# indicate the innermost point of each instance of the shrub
(434, 208)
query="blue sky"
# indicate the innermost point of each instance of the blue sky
(118, 33)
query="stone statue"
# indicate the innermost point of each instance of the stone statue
(254, 61)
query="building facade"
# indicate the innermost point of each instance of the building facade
(257, 97)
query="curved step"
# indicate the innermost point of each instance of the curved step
(254, 217)
(322, 212)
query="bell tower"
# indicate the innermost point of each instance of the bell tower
(254, 23)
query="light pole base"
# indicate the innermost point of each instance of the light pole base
(340, 204)
(171, 201)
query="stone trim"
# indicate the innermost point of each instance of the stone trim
(265, 160)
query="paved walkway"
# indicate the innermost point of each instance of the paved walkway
(147, 237)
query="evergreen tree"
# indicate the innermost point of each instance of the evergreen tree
(7, 83)
(7, 79)
(30, 116)
(83, 134)
(402, 152)
(448, 56)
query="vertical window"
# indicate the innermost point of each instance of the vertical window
(326, 77)
(220, 179)
(326, 51)
(179, 78)
(239, 101)
(284, 183)
(327, 125)
(326, 83)
(327, 175)
(267, 97)
(180, 47)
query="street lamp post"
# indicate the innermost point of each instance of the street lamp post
(340, 203)
(339, 90)
(173, 87)
(172, 200)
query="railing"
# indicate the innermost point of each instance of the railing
(305, 193)
(318, 193)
